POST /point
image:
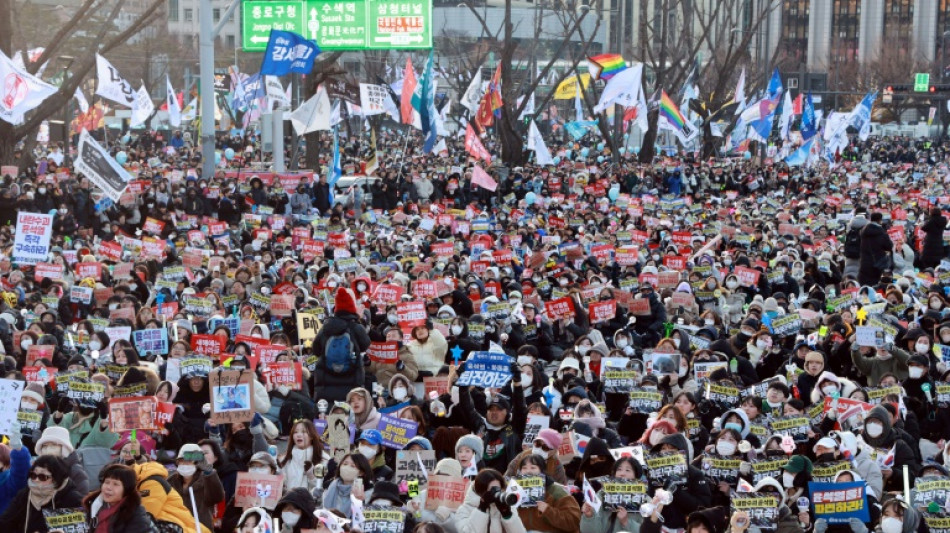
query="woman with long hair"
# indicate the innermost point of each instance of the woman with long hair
(482, 511)
(304, 451)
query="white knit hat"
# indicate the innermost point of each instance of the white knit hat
(56, 435)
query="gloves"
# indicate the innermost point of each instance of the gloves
(103, 409)
(400, 365)
(505, 510)
(16, 441)
(443, 513)
(821, 525)
(257, 424)
(485, 502)
(515, 372)
(856, 525)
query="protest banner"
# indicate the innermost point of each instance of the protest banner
(721, 469)
(825, 472)
(411, 314)
(619, 381)
(129, 391)
(258, 490)
(439, 384)
(414, 466)
(284, 373)
(87, 392)
(603, 311)
(282, 305)
(768, 467)
(164, 413)
(267, 354)
(383, 519)
(232, 396)
(559, 308)
(80, 295)
(10, 393)
(66, 520)
(39, 351)
(664, 465)
(386, 353)
(795, 426)
(839, 502)
(396, 431)
(723, 395)
(849, 410)
(624, 494)
(762, 510)
(126, 414)
(32, 237)
(210, 345)
(486, 369)
(645, 401)
(532, 488)
(47, 270)
(233, 324)
(446, 491)
(639, 307)
(533, 426)
(787, 325)
(929, 489)
(152, 341)
(307, 326)
(29, 421)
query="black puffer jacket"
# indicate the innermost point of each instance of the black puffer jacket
(301, 499)
(328, 385)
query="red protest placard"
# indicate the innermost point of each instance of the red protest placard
(560, 308)
(411, 313)
(601, 251)
(110, 251)
(153, 226)
(284, 373)
(748, 277)
(282, 305)
(39, 351)
(627, 255)
(603, 311)
(47, 270)
(388, 293)
(164, 413)
(336, 240)
(501, 257)
(425, 289)
(683, 299)
(667, 280)
(438, 384)
(251, 487)
(384, 352)
(479, 267)
(445, 491)
(210, 345)
(267, 353)
(675, 262)
(639, 307)
(89, 270)
(443, 249)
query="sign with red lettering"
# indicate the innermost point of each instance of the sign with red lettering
(425, 288)
(639, 307)
(284, 373)
(601, 251)
(210, 345)
(311, 249)
(153, 226)
(251, 488)
(110, 251)
(47, 270)
(384, 352)
(445, 491)
(560, 308)
(336, 240)
(282, 305)
(32, 237)
(667, 280)
(89, 270)
(39, 351)
(388, 293)
(748, 277)
(268, 353)
(443, 249)
(411, 313)
(602, 311)
(627, 256)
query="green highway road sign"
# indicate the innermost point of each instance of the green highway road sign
(921, 82)
(341, 24)
(258, 18)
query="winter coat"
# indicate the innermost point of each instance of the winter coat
(301, 499)
(933, 252)
(13, 479)
(563, 512)
(208, 493)
(874, 243)
(160, 500)
(606, 521)
(299, 203)
(370, 420)
(127, 519)
(870, 472)
(88, 434)
(21, 516)
(430, 356)
(77, 472)
(504, 444)
(554, 470)
(874, 367)
(328, 385)
(385, 372)
(468, 519)
(890, 438)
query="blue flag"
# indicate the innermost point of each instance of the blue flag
(336, 172)
(800, 157)
(288, 52)
(809, 128)
(775, 85)
(249, 90)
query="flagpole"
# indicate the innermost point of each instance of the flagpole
(405, 146)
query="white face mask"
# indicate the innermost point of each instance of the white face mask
(456, 330)
(290, 518)
(710, 322)
(622, 343)
(683, 371)
(656, 437)
(788, 479)
(676, 342)
(874, 429)
(922, 347)
(539, 452)
(725, 448)
(732, 284)
(393, 318)
(935, 304)
(95, 345)
(945, 338)
(829, 390)
(891, 524)
(761, 344)
(400, 393)
(26, 343)
(187, 470)
(259, 470)
(915, 372)
(368, 452)
(29, 406)
(583, 349)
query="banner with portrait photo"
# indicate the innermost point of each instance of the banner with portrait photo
(137, 412)
(232, 396)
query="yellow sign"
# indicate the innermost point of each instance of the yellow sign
(568, 88)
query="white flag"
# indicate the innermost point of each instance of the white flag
(313, 115)
(590, 495)
(528, 109)
(473, 94)
(191, 110)
(373, 99)
(174, 110)
(335, 116)
(642, 120)
(20, 92)
(622, 89)
(787, 112)
(81, 100)
(276, 98)
(142, 108)
(536, 143)
(111, 85)
(740, 93)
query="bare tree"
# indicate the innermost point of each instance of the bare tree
(107, 38)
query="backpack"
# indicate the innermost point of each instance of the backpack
(160, 526)
(339, 357)
(852, 244)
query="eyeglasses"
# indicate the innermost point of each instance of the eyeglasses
(40, 477)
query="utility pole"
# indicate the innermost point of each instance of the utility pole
(208, 33)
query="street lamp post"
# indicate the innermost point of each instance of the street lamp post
(67, 142)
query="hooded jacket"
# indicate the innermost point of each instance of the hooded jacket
(889, 438)
(327, 385)
(160, 500)
(562, 515)
(301, 499)
(370, 418)
(692, 494)
(208, 493)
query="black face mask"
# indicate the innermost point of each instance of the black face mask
(825, 458)
(742, 338)
(774, 453)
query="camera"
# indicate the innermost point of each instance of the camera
(499, 497)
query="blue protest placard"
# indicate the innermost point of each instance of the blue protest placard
(288, 52)
(486, 369)
(151, 341)
(396, 431)
(839, 502)
(233, 323)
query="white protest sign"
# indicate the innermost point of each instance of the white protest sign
(10, 392)
(33, 233)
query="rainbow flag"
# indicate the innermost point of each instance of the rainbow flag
(605, 66)
(671, 112)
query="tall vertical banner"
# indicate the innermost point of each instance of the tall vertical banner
(101, 168)
(33, 233)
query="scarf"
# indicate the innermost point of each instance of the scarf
(41, 496)
(105, 515)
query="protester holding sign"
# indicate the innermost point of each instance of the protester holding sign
(616, 518)
(49, 487)
(558, 512)
(195, 478)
